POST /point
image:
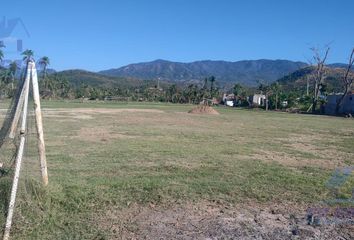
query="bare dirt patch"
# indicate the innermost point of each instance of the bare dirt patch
(101, 110)
(69, 117)
(208, 220)
(203, 109)
(74, 114)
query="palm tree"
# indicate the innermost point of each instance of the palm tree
(212, 81)
(28, 55)
(190, 93)
(44, 62)
(1, 54)
(275, 88)
(13, 69)
(205, 83)
(4, 81)
(3, 73)
(266, 90)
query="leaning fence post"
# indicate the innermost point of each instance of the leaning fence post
(39, 126)
(19, 157)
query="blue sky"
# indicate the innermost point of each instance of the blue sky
(97, 35)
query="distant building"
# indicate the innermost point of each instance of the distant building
(229, 103)
(258, 100)
(229, 99)
(346, 108)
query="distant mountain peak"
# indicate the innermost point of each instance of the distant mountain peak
(161, 61)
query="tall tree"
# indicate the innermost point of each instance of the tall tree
(212, 82)
(1, 56)
(240, 93)
(238, 89)
(204, 92)
(44, 62)
(190, 93)
(205, 83)
(5, 79)
(275, 89)
(266, 90)
(319, 74)
(13, 70)
(1, 53)
(28, 55)
(172, 93)
(347, 81)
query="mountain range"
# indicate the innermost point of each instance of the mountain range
(248, 72)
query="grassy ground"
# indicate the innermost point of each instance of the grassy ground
(102, 155)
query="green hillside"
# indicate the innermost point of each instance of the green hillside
(297, 81)
(78, 77)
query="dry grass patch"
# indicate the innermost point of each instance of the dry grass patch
(302, 150)
(110, 164)
(203, 109)
(100, 134)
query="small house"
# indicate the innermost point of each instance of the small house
(229, 99)
(258, 100)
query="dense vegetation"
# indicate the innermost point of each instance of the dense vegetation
(292, 91)
(76, 84)
(79, 84)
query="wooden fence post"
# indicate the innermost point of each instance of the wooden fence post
(18, 158)
(17, 115)
(39, 126)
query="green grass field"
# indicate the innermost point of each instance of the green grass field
(117, 155)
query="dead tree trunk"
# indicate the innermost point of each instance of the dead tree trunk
(347, 82)
(319, 74)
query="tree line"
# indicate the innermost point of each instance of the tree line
(54, 86)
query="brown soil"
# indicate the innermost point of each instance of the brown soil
(99, 110)
(217, 221)
(203, 109)
(65, 115)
